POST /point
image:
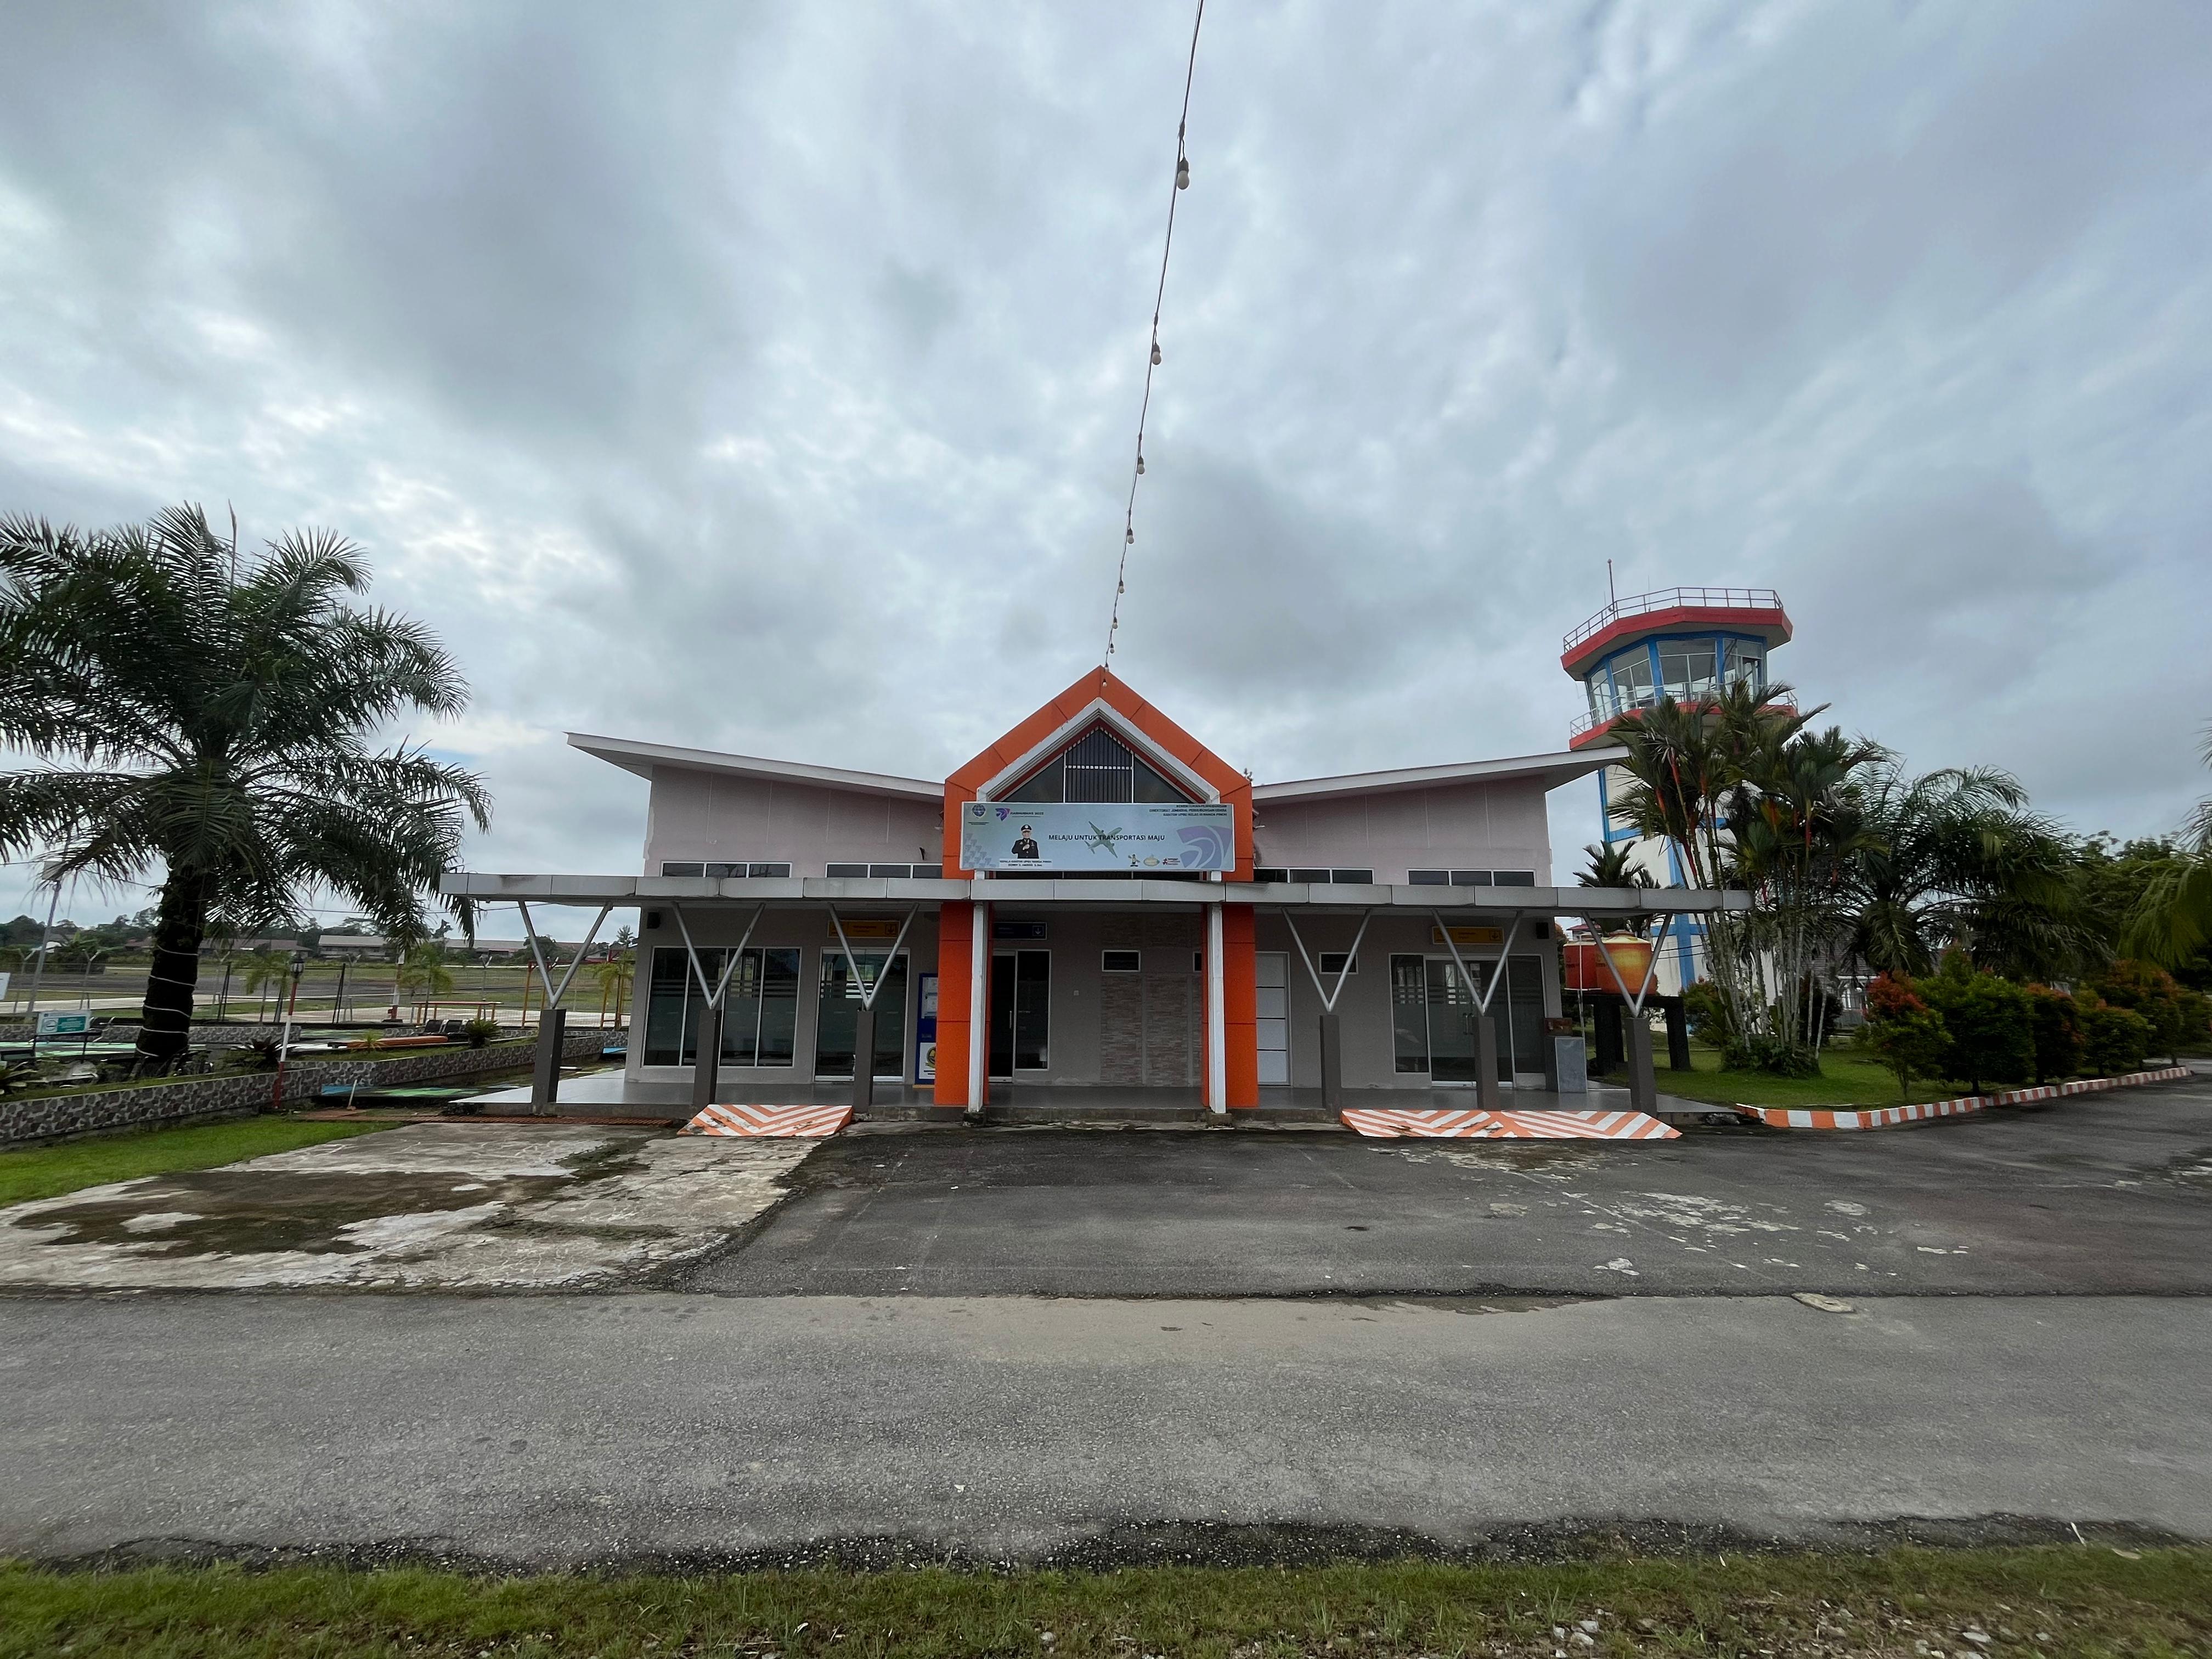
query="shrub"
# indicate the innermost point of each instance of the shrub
(2055, 1023)
(2115, 1040)
(1992, 1028)
(1908, 1035)
(480, 1032)
(1707, 1014)
(2176, 1016)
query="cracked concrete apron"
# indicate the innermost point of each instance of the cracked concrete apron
(447, 1206)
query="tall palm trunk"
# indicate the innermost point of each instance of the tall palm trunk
(166, 1022)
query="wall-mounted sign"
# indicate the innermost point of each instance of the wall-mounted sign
(1019, 930)
(1139, 836)
(1468, 935)
(860, 927)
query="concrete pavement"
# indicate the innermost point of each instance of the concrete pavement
(567, 1430)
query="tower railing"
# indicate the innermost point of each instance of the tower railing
(1670, 599)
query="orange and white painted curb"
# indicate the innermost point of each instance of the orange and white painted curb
(1886, 1117)
(817, 1122)
(1393, 1123)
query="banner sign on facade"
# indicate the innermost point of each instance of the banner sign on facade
(1469, 935)
(1075, 836)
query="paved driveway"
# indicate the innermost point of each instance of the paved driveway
(2106, 1195)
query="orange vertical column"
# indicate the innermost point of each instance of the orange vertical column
(1240, 1004)
(956, 933)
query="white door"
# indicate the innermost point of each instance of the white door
(1274, 978)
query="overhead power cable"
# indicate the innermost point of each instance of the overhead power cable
(1153, 360)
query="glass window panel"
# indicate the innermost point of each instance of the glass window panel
(1429, 877)
(848, 870)
(1152, 785)
(1048, 783)
(896, 871)
(1747, 664)
(1353, 878)
(768, 869)
(1319, 876)
(681, 869)
(663, 1014)
(1470, 879)
(1100, 768)
(778, 1010)
(1631, 677)
(1409, 1013)
(1269, 873)
(1121, 961)
(1514, 878)
(1332, 963)
(1521, 1035)
(1685, 668)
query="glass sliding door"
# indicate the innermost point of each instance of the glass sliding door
(838, 1012)
(1021, 1012)
(1432, 1017)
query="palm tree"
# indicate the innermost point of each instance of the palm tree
(1955, 857)
(1612, 865)
(213, 720)
(2173, 921)
(263, 968)
(423, 972)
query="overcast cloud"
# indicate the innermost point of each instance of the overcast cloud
(764, 378)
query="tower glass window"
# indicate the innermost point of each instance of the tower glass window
(1685, 669)
(1747, 664)
(1632, 677)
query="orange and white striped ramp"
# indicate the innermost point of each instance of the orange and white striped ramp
(782, 1122)
(1394, 1123)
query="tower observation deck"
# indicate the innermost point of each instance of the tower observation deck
(1680, 642)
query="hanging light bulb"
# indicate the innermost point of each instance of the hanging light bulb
(1130, 537)
(1183, 172)
(1156, 353)
(1140, 463)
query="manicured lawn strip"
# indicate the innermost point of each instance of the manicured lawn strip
(49, 1171)
(1845, 1080)
(2059, 1600)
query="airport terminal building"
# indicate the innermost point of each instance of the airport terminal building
(1096, 903)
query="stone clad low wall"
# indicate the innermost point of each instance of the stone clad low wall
(189, 1100)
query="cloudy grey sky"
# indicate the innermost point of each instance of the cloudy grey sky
(763, 377)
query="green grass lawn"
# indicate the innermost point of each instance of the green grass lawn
(1846, 1079)
(50, 1171)
(2085, 1600)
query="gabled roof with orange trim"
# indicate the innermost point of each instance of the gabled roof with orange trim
(1098, 686)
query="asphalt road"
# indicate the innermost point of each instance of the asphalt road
(570, 1431)
(1095, 1346)
(2104, 1195)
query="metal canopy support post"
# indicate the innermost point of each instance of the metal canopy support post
(1487, 1095)
(1331, 1049)
(864, 1019)
(553, 1022)
(1643, 1081)
(979, 1006)
(707, 1057)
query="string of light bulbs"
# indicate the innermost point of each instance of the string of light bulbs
(1152, 363)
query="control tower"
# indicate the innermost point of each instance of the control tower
(1686, 643)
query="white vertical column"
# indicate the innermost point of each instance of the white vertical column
(1217, 1017)
(978, 1002)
